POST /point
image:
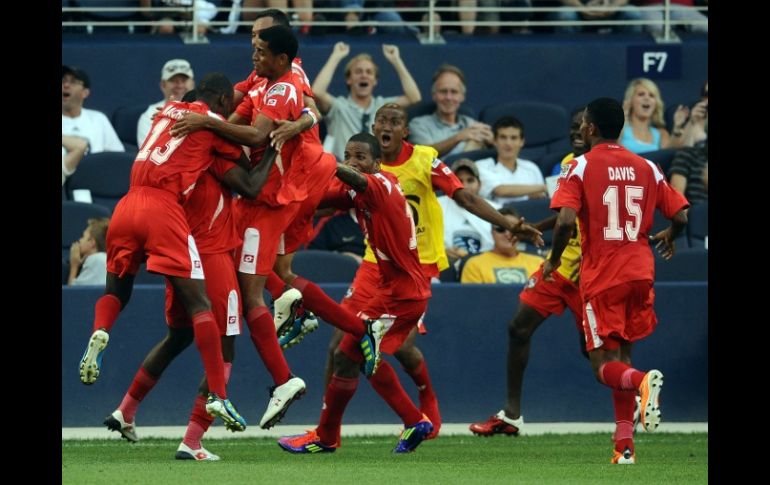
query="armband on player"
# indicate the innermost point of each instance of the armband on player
(312, 115)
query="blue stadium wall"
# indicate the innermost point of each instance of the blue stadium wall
(465, 350)
(567, 71)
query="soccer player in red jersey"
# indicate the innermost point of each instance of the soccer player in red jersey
(149, 223)
(402, 296)
(614, 194)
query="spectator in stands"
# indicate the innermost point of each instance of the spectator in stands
(493, 16)
(575, 139)
(504, 263)
(509, 178)
(645, 129)
(465, 233)
(304, 17)
(354, 113)
(570, 12)
(680, 10)
(341, 233)
(205, 12)
(73, 149)
(88, 256)
(447, 130)
(355, 14)
(86, 123)
(176, 78)
(687, 172)
(694, 129)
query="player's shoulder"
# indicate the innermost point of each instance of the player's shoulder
(575, 167)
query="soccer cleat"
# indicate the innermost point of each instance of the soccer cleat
(627, 457)
(91, 363)
(370, 344)
(223, 408)
(412, 436)
(301, 327)
(184, 452)
(498, 424)
(115, 422)
(285, 308)
(305, 443)
(281, 398)
(649, 391)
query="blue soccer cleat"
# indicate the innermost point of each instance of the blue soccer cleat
(91, 363)
(305, 443)
(223, 408)
(412, 436)
(302, 326)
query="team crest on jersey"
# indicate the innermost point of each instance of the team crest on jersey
(566, 169)
(278, 89)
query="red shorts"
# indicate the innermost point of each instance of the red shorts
(221, 288)
(262, 228)
(301, 229)
(406, 313)
(624, 312)
(150, 223)
(551, 297)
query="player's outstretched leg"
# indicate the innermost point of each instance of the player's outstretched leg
(91, 363)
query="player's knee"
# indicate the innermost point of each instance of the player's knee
(519, 332)
(179, 339)
(344, 366)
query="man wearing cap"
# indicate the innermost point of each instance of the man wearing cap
(81, 122)
(464, 232)
(176, 78)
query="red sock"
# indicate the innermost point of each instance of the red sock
(315, 300)
(624, 402)
(106, 311)
(262, 333)
(338, 395)
(385, 382)
(428, 401)
(200, 420)
(274, 285)
(142, 384)
(210, 347)
(620, 376)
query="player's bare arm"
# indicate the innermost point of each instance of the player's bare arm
(352, 177)
(249, 184)
(289, 129)
(480, 207)
(665, 239)
(245, 135)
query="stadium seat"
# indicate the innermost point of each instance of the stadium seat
(698, 223)
(124, 120)
(474, 155)
(546, 125)
(549, 160)
(691, 265)
(74, 220)
(107, 175)
(429, 106)
(661, 157)
(324, 266)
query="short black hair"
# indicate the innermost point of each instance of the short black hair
(608, 116)
(190, 96)
(279, 17)
(214, 84)
(508, 122)
(369, 139)
(394, 106)
(280, 40)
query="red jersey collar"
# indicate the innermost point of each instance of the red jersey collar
(406, 153)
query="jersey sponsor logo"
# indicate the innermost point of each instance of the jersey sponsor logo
(248, 258)
(232, 319)
(278, 90)
(445, 170)
(196, 264)
(567, 168)
(272, 102)
(531, 283)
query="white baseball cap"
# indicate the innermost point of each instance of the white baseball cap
(174, 67)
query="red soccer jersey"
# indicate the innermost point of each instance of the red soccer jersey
(208, 211)
(386, 221)
(174, 164)
(615, 193)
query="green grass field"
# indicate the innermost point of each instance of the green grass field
(571, 458)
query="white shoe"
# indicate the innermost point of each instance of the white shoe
(116, 422)
(280, 399)
(91, 362)
(184, 452)
(285, 310)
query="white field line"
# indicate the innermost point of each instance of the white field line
(447, 429)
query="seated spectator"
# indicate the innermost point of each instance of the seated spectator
(694, 129)
(687, 172)
(176, 78)
(645, 129)
(341, 233)
(205, 12)
(88, 257)
(570, 12)
(504, 263)
(73, 149)
(575, 140)
(447, 130)
(680, 10)
(509, 178)
(465, 233)
(86, 123)
(347, 115)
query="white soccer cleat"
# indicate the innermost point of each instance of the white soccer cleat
(281, 398)
(115, 422)
(285, 310)
(184, 452)
(91, 362)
